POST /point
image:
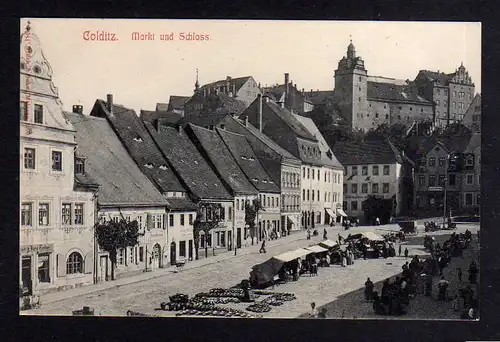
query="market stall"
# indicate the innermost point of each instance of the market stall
(329, 244)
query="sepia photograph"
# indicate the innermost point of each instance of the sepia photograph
(250, 169)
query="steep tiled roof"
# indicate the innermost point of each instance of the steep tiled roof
(182, 204)
(291, 120)
(152, 116)
(319, 96)
(237, 126)
(203, 121)
(220, 104)
(474, 143)
(366, 152)
(248, 161)
(109, 164)
(177, 102)
(441, 77)
(221, 158)
(140, 145)
(188, 163)
(327, 155)
(238, 82)
(295, 100)
(85, 180)
(393, 92)
(162, 107)
(456, 143)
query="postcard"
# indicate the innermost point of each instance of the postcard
(250, 169)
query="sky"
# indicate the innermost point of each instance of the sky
(141, 73)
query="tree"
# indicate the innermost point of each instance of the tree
(251, 212)
(114, 235)
(208, 216)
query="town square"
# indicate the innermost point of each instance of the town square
(271, 193)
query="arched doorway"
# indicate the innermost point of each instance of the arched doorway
(173, 253)
(155, 256)
(312, 220)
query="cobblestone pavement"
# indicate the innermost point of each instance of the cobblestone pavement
(331, 284)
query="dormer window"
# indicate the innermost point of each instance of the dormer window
(163, 167)
(255, 179)
(251, 159)
(138, 139)
(79, 166)
(243, 157)
(149, 165)
(195, 162)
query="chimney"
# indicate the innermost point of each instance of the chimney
(234, 90)
(260, 112)
(287, 86)
(109, 103)
(228, 78)
(78, 109)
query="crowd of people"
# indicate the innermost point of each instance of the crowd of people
(417, 277)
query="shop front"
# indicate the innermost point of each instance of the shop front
(37, 268)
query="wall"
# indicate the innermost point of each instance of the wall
(248, 92)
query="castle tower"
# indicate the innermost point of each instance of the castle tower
(197, 84)
(350, 89)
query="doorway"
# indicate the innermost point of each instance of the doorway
(173, 254)
(103, 264)
(155, 256)
(27, 286)
(238, 237)
(190, 249)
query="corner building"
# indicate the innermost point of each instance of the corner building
(57, 208)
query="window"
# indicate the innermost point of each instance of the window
(308, 173)
(29, 158)
(238, 203)
(304, 173)
(364, 170)
(121, 256)
(312, 174)
(354, 188)
(38, 114)
(66, 214)
(43, 214)
(308, 195)
(375, 188)
(468, 199)
(469, 179)
(364, 188)
(376, 115)
(182, 248)
(469, 160)
(375, 170)
(171, 220)
(75, 263)
(355, 170)
(478, 199)
(385, 188)
(303, 194)
(43, 268)
(344, 205)
(158, 221)
(432, 161)
(141, 254)
(182, 219)
(24, 110)
(131, 255)
(386, 170)
(56, 161)
(354, 205)
(454, 93)
(387, 116)
(79, 166)
(318, 175)
(452, 179)
(421, 180)
(191, 219)
(442, 181)
(325, 176)
(432, 180)
(312, 194)
(438, 91)
(26, 214)
(318, 195)
(445, 91)
(79, 213)
(344, 188)
(437, 102)
(230, 213)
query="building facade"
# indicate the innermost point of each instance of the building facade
(451, 93)
(134, 136)
(281, 166)
(472, 117)
(383, 174)
(244, 89)
(57, 211)
(449, 166)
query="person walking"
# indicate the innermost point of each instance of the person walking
(263, 247)
(314, 311)
(406, 252)
(368, 290)
(324, 234)
(344, 260)
(399, 250)
(459, 274)
(377, 221)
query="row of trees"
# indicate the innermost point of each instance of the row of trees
(114, 235)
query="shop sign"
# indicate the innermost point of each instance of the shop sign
(47, 248)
